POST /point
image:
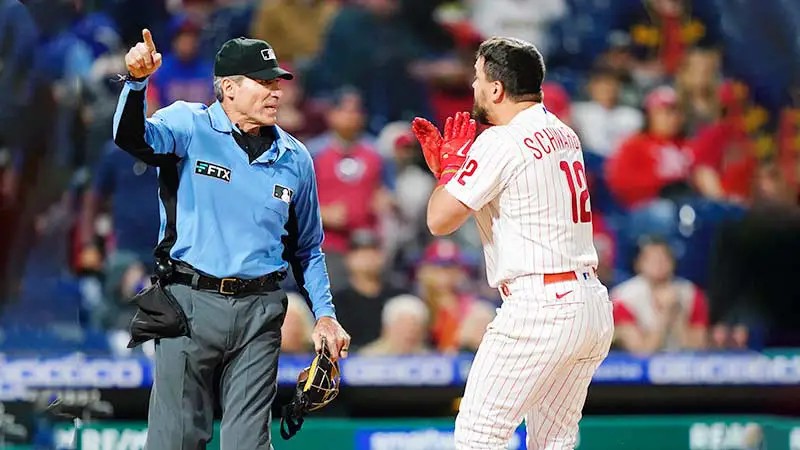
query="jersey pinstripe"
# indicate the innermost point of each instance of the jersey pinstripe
(527, 184)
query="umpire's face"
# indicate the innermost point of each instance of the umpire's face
(257, 100)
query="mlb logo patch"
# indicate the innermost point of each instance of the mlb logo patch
(268, 54)
(283, 193)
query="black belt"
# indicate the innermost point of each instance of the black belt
(229, 285)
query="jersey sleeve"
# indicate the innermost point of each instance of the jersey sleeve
(486, 171)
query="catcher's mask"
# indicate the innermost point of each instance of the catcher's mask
(317, 385)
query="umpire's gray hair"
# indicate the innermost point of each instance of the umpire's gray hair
(218, 84)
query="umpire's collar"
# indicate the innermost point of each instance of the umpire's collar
(222, 123)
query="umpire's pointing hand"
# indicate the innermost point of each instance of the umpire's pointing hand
(336, 338)
(143, 59)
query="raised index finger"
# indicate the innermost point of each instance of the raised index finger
(148, 40)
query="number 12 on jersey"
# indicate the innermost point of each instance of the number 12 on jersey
(579, 189)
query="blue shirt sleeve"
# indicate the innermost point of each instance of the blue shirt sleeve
(169, 131)
(306, 256)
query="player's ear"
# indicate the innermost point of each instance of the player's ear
(497, 91)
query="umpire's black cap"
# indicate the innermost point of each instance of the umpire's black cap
(252, 58)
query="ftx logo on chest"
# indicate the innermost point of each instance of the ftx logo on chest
(212, 170)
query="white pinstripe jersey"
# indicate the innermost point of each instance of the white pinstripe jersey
(527, 184)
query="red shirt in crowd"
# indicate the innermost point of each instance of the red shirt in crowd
(635, 305)
(352, 178)
(645, 164)
(726, 148)
(446, 323)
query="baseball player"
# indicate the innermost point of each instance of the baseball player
(524, 181)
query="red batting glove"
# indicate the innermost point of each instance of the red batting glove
(431, 141)
(459, 134)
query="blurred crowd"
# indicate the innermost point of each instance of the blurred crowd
(691, 151)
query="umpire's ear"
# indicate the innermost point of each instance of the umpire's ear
(229, 87)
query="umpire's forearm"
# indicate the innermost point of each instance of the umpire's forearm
(129, 120)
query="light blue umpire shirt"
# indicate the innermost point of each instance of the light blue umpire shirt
(221, 214)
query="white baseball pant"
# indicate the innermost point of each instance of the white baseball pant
(535, 363)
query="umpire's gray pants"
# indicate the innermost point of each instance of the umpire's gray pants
(237, 337)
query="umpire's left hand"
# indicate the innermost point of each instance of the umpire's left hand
(336, 338)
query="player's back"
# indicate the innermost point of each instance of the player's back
(527, 183)
(551, 191)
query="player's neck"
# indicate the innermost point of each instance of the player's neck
(506, 112)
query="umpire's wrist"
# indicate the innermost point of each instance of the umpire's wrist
(130, 77)
(137, 84)
(324, 312)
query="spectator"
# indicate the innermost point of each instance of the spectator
(403, 332)
(405, 229)
(359, 305)
(529, 20)
(772, 189)
(346, 119)
(602, 122)
(746, 291)
(653, 163)
(655, 311)
(184, 72)
(662, 31)
(442, 276)
(198, 11)
(724, 154)
(619, 58)
(17, 53)
(474, 326)
(64, 60)
(294, 28)
(447, 81)
(349, 171)
(130, 188)
(557, 101)
(605, 242)
(424, 21)
(228, 19)
(697, 83)
(295, 115)
(379, 66)
(133, 15)
(726, 337)
(297, 326)
(99, 31)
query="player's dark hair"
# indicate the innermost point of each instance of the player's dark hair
(515, 63)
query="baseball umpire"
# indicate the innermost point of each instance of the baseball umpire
(238, 206)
